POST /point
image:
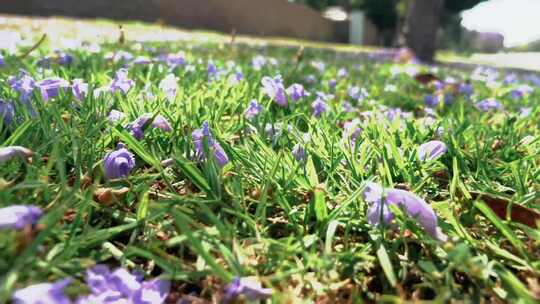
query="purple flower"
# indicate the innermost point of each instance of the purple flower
(534, 79)
(2, 61)
(64, 58)
(121, 286)
(121, 82)
(118, 163)
(44, 293)
(253, 109)
(79, 88)
(199, 135)
(332, 84)
(296, 92)
(351, 131)
(258, 62)
(115, 116)
(318, 107)
(7, 112)
(310, 79)
(525, 112)
(19, 216)
(510, 78)
(393, 113)
(247, 287)
(50, 87)
(488, 104)
(439, 85)
(174, 60)
(7, 153)
(122, 56)
(358, 93)
(466, 89)
(25, 84)
(298, 152)
(138, 126)
(142, 60)
(380, 199)
(431, 100)
(342, 73)
(319, 65)
(347, 107)
(273, 87)
(431, 150)
(169, 86)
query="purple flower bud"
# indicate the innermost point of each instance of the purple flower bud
(253, 109)
(118, 163)
(380, 199)
(318, 107)
(64, 58)
(332, 84)
(44, 293)
(247, 287)
(298, 152)
(115, 116)
(169, 86)
(351, 131)
(431, 150)
(79, 88)
(296, 92)
(7, 112)
(19, 216)
(431, 100)
(214, 147)
(121, 82)
(466, 89)
(273, 87)
(7, 153)
(50, 87)
(488, 104)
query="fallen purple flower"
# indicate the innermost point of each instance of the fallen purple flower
(19, 216)
(253, 110)
(7, 153)
(79, 88)
(273, 87)
(246, 287)
(431, 150)
(199, 135)
(381, 198)
(118, 163)
(44, 293)
(121, 82)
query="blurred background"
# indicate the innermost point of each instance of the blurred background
(460, 26)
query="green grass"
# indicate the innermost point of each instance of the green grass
(301, 228)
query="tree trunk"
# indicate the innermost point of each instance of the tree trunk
(422, 25)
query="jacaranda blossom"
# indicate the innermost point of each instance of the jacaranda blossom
(380, 199)
(332, 84)
(342, 73)
(488, 104)
(121, 82)
(318, 107)
(44, 293)
(273, 87)
(19, 216)
(79, 88)
(466, 89)
(118, 163)
(2, 62)
(7, 153)
(431, 150)
(169, 86)
(351, 131)
(296, 92)
(7, 112)
(253, 109)
(431, 100)
(258, 62)
(199, 135)
(247, 287)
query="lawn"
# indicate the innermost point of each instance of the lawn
(208, 168)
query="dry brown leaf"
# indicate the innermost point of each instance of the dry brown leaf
(519, 213)
(108, 196)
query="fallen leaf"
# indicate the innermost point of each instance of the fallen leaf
(426, 78)
(108, 196)
(499, 206)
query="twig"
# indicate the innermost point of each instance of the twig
(34, 47)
